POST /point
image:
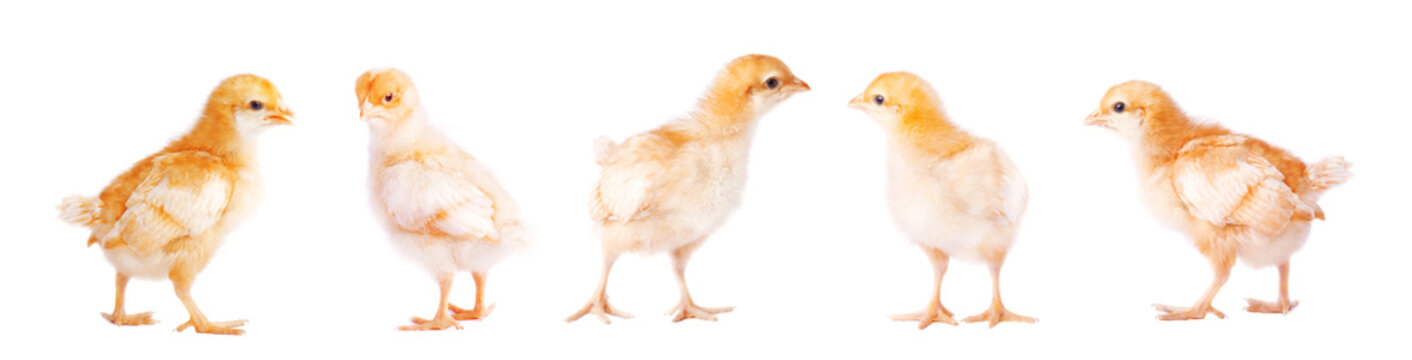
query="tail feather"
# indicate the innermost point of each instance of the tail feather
(1328, 173)
(80, 210)
(603, 150)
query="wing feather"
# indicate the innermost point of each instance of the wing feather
(184, 195)
(432, 196)
(1220, 180)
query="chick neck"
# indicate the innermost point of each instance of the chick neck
(1164, 132)
(216, 134)
(411, 135)
(929, 132)
(725, 113)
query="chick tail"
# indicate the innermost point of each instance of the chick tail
(603, 150)
(1328, 173)
(80, 210)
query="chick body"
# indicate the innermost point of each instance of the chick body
(955, 194)
(166, 216)
(1233, 195)
(440, 206)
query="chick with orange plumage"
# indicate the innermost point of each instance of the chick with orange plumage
(668, 189)
(1235, 196)
(166, 215)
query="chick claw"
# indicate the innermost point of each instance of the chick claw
(933, 314)
(124, 319)
(436, 323)
(599, 307)
(477, 313)
(1280, 307)
(218, 328)
(998, 314)
(687, 310)
(1183, 313)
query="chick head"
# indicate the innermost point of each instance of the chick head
(1132, 107)
(252, 101)
(762, 81)
(899, 100)
(386, 96)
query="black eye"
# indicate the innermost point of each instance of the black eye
(878, 99)
(772, 83)
(387, 98)
(256, 105)
(1119, 106)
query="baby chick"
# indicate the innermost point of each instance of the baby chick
(166, 215)
(669, 188)
(955, 194)
(439, 205)
(1234, 195)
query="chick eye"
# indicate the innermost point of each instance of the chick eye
(256, 105)
(878, 99)
(1119, 106)
(772, 83)
(387, 98)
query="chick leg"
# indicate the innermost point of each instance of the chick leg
(1280, 306)
(442, 320)
(182, 282)
(997, 312)
(1222, 260)
(934, 311)
(119, 316)
(688, 309)
(480, 311)
(598, 305)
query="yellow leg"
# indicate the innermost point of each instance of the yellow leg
(1222, 260)
(480, 311)
(997, 312)
(598, 304)
(1280, 306)
(934, 312)
(182, 282)
(441, 320)
(687, 309)
(119, 316)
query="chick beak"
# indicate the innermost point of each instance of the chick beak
(857, 102)
(363, 109)
(1096, 118)
(282, 116)
(801, 86)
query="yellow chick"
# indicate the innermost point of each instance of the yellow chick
(670, 188)
(1234, 195)
(440, 206)
(955, 194)
(166, 215)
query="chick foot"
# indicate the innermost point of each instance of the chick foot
(1278, 307)
(125, 319)
(932, 314)
(218, 327)
(440, 322)
(599, 307)
(689, 310)
(1183, 313)
(477, 313)
(997, 314)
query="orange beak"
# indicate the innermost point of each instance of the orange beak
(282, 116)
(858, 102)
(364, 108)
(800, 86)
(1096, 118)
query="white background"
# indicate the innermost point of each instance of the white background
(811, 259)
